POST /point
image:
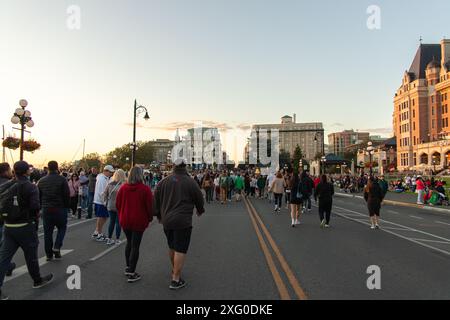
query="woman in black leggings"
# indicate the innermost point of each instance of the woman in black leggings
(324, 192)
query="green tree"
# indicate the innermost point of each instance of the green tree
(298, 155)
(121, 156)
(91, 160)
(284, 158)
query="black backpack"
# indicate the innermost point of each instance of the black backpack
(11, 201)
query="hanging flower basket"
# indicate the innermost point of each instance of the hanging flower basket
(30, 146)
(11, 143)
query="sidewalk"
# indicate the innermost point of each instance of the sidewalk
(400, 199)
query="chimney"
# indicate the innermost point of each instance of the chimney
(445, 51)
(295, 118)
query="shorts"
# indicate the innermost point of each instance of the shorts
(101, 211)
(179, 240)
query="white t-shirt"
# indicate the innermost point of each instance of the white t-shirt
(100, 186)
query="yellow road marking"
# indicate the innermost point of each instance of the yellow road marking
(284, 265)
(284, 294)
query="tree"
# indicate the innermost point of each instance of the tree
(91, 160)
(118, 157)
(298, 155)
(284, 158)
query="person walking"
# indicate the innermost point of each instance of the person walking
(84, 181)
(323, 194)
(223, 182)
(91, 191)
(74, 189)
(101, 212)
(109, 197)
(19, 205)
(135, 207)
(5, 176)
(383, 185)
(420, 189)
(296, 202)
(55, 200)
(373, 196)
(239, 186)
(277, 188)
(175, 199)
(307, 185)
(208, 185)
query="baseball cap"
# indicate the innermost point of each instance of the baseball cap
(179, 162)
(109, 168)
(21, 167)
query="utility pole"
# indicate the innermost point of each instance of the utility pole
(4, 149)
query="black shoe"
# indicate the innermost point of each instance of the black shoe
(12, 266)
(44, 281)
(50, 258)
(3, 297)
(57, 254)
(128, 272)
(134, 277)
(175, 285)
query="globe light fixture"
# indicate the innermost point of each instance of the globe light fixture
(20, 112)
(23, 103)
(30, 124)
(15, 120)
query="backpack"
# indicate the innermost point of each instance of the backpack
(302, 189)
(223, 182)
(11, 201)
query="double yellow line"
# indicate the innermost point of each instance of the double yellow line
(281, 286)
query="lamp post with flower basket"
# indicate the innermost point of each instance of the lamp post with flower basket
(23, 117)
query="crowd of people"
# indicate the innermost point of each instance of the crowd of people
(125, 198)
(131, 200)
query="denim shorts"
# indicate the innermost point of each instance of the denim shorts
(101, 211)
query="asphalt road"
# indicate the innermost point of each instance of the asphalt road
(245, 251)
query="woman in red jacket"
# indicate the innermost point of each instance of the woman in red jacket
(135, 208)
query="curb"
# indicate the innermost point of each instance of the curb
(399, 203)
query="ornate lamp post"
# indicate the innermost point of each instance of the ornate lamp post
(22, 117)
(323, 161)
(370, 152)
(137, 110)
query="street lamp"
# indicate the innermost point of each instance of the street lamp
(434, 164)
(370, 152)
(137, 110)
(22, 117)
(323, 161)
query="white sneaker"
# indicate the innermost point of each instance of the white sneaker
(372, 227)
(297, 222)
(118, 241)
(109, 242)
(327, 226)
(322, 224)
(276, 208)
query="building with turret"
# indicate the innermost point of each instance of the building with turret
(421, 113)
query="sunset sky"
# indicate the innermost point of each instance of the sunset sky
(228, 63)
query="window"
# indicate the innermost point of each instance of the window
(414, 126)
(414, 102)
(432, 99)
(432, 111)
(432, 124)
(414, 113)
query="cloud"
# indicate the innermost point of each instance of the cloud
(184, 125)
(382, 131)
(336, 124)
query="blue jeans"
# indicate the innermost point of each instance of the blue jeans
(90, 204)
(84, 201)
(56, 217)
(114, 222)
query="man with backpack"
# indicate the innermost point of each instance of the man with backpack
(19, 207)
(223, 183)
(5, 176)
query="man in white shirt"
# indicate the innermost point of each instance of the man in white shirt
(270, 179)
(101, 212)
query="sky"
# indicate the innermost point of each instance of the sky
(226, 63)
